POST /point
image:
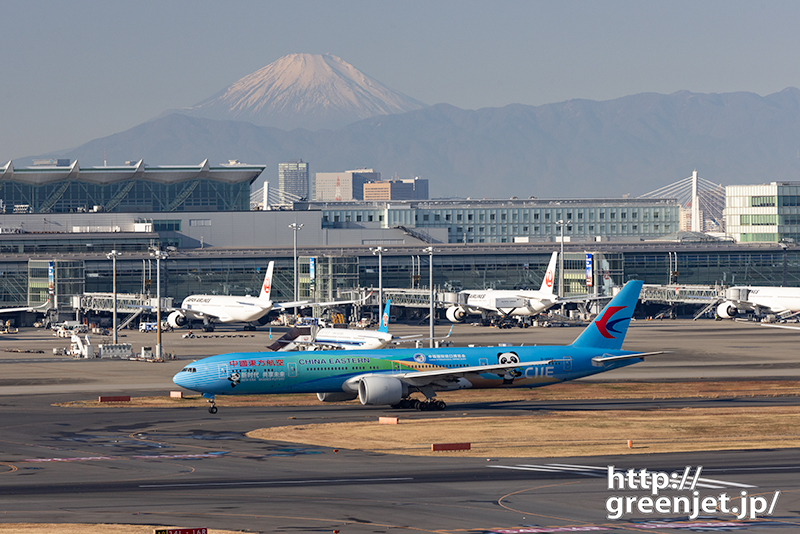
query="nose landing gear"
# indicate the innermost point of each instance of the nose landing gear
(213, 407)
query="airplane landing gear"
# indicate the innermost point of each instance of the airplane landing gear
(429, 405)
(212, 408)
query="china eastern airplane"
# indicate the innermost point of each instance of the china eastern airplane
(507, 303)
(780, 301)
(213, 309)
(388, 377)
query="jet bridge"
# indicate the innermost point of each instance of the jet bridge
(707, 297)
(127, 303)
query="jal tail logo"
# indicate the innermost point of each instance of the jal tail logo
(266, 285)
(385, 319)
(606, 325)
(548, 278)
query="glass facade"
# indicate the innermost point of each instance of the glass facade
(63, 278)
(127, 196)
(27, 282)
(515, 221)
(763, 213)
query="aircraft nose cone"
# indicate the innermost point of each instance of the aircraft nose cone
(181, 379)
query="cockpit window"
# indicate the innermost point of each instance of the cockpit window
(189, 370)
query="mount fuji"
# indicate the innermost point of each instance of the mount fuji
(303, 91)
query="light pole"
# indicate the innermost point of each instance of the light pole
(159, 255)
(113, 257)
(562, 224)
(379, 251)
(429, 250)
(295, 227)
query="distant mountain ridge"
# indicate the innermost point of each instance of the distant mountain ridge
(303, 91)
(577, 148)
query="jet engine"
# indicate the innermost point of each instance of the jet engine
(456, 314)
(336, 397)
(727, 310)
(177, 320)
(381, 390)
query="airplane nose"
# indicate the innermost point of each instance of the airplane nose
(181, 379)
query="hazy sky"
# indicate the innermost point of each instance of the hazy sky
(77, 70)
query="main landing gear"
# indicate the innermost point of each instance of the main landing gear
(428, 405)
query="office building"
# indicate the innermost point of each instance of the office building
(293, 179)
(763, 213)
(344, 186)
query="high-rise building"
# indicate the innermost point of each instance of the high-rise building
(293, 178)
(343, 186)
(763, 213)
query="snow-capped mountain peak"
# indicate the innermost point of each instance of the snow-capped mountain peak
(304, 90)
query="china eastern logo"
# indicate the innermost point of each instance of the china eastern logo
(606, 325)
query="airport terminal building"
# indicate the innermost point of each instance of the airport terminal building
(60, 222)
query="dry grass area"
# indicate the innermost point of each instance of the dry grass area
(88, 528)
(561, 434)
(566, 391)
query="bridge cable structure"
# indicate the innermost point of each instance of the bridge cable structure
(266, 197)
(704, 198)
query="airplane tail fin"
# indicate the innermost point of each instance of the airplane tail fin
(549, 281)
(608, 329)
(384, 327)
(266, 288)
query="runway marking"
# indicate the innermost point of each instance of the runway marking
(275, 482)
(84, 459)
(602, 472)
(179, 456)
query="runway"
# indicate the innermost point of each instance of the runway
(184, 467)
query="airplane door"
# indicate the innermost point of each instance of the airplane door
(292, 370)
(483, 361)
(223, 371)
(568, 363)
(395, 365)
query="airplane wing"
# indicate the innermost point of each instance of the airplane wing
(295, 304)
(26, 308)
(423, 378)
(604, 359)
(461, 371)
(787, 327)
(416, 337)
(307, 304)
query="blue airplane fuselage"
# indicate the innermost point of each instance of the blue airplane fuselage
(388, 377)
(248, 373)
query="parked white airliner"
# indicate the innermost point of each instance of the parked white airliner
(213, 309)
(507, 303)
(761, 301)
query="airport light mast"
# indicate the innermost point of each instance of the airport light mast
(562, 224)
(159, 255)
(113, 257)
(295, 227)
(429, 250)
(379, 252)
